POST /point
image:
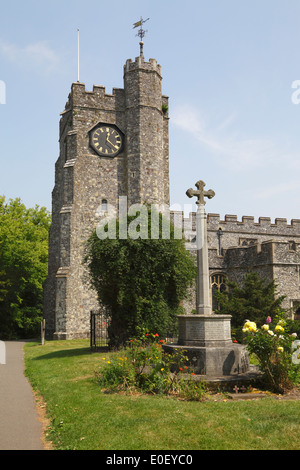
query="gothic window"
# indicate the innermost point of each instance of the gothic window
(217, 285)
(297, 314)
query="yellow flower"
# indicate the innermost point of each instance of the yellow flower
(249, 326)
(265, 327)
(280, 349)
(279, 328)
(108, 362)
(162, 369)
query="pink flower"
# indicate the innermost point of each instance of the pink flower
(268, 320)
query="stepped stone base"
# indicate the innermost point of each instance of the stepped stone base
(206, 341)
(214, 361)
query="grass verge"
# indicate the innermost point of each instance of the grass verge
(82, 417)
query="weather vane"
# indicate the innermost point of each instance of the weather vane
(141, 33)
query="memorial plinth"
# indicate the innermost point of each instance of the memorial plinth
(204, 330)
(205, 337)
(206, 342)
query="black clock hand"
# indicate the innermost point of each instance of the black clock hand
(108, 142)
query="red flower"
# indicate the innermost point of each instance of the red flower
(192, 373)
(161, 340)
(235, 341)
(155, 335)
(181, 368)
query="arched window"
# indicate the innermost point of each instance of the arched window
(217, 285)
(297, 314)
(104, 205)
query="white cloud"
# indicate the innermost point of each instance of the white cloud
(38, 56)
(269, 192)
(242, 153)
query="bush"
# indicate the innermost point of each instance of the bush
(293, 325)
(256, 298)
(141, 282)
(144, 366)
(274, 348)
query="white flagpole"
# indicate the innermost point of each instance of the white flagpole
(77, 55)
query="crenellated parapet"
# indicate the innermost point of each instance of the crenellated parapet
(249, 222)
(140, 63)
(98, 97)
(234, 229)
(227, 233)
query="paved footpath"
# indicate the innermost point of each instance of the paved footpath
(20, 428)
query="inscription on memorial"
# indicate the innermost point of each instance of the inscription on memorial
(210, 328)
(195, 331)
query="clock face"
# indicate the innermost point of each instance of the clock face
(106, 140)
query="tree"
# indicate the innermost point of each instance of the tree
(23, 267)
(141, 281)
(255, 300)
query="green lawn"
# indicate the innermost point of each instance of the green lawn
(82, 417)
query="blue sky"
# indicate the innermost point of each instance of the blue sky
(228, 69)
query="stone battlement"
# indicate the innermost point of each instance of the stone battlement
(264, 253)
(231, 223)
(140, 63)
(81, 97)
(249, 220)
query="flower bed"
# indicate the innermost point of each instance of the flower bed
(277, 352)
(146, 367)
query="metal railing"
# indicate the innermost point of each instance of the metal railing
(98, 330)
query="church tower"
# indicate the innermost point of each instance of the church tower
(111, 145)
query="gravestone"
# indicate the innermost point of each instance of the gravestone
(206, 337)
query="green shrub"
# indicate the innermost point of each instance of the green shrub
(256, 298)
(141, 282)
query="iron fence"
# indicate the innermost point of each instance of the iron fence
(99, 322)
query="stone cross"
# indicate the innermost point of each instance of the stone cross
(203, 302)
(200, 193)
